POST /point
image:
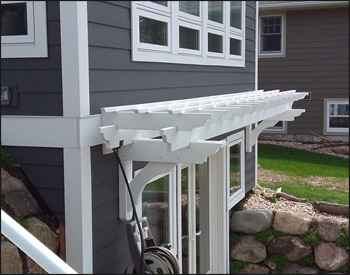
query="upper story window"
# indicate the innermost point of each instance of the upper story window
(272, 35)
(189, 32)
(337, 116)
(23, 29)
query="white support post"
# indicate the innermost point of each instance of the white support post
(191, 204)
(78, 218)
(218, 214)
(77, 161)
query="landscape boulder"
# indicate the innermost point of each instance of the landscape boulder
(254, 269)
(18, 201)
(292, 247)
(328, 229)
(248, 250)
(251, 221)
(295, 268)
(330, 257)
(11, 262)
(291, 223)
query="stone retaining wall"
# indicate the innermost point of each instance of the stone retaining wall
(262, 242)
(19, 203)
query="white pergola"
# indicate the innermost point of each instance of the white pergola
(166, 134)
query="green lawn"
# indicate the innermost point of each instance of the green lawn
(311, 193)
(295, 162)
(301, 163)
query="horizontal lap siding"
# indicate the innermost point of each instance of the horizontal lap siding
(116, 80)
(39, 79)
(40, 94)
(317, 60)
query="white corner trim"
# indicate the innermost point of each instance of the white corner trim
(75, 58)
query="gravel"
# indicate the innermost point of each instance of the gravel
(261, 198)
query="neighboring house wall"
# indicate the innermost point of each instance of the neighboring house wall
(39, 86)
(316, 60)
(116, 80)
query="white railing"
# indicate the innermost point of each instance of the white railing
(33, 247)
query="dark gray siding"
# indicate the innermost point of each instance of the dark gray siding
(44, 168)
(116, 80)
(317, 60)
(38, 80)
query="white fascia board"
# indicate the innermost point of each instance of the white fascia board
(50, 131)
(157, 151)
(301, 4)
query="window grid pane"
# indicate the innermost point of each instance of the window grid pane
(215, 43)
(215, 11)
(191, 7)
(153, 31)
(14, 19)
(235, 46)
(163, 3)
(236, 14)
(235, 168)
(189, 38)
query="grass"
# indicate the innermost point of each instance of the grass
(310, 192)
(296, 162)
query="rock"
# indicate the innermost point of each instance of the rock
(346, 230)
(254, 269)
(341, 150)
(19, 200)
(31, 267)
(11, 262)
(328, 229)
(43, 233)
(291, 223)
(270, 263)
(295, 268)
(248, 250)
(292, 247)
(330, 257)
(251, 221)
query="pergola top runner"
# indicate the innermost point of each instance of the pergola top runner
(181, 123)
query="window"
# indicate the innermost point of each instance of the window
(235, 168)
(272, 35)
(337, 116)
(189, 32)
(278, 127)
(23, 29)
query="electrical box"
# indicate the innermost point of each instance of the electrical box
(5, 95)
(9, 95)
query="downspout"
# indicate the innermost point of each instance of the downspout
(256, 80)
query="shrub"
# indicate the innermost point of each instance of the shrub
(264, 236)
(343, 269)
(308, 260)
(342, 241)
(280, 260)
(6, 158)
(22, 221)
(312, 238)
(234, 239)
(235, 266)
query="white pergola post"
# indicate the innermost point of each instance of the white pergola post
(77, 161)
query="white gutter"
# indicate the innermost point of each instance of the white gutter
(300, 4)
(33, 247)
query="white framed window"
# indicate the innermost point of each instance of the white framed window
(336, 116)
(278, 127)
(189, 32)
(235, 159)
(272, 35)
(23, 29)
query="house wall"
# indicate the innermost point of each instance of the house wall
(39, 86)
(38, 80)
(317, 60)
(116, 80)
